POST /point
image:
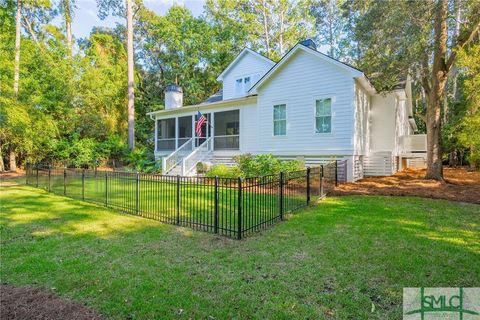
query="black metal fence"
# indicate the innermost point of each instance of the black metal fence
(234, 207)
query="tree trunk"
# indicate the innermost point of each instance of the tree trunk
(68, 26)
(13, 160)
(2, 164)
(458, 17)
(282, 30)
(16, 75)
(434, 141)
(131, 93)
(436, 94)
(265, 28)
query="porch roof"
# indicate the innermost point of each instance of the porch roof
(201, 106)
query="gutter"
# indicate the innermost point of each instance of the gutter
(202, 105)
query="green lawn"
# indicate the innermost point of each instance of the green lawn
(157, 197)
(348, 257)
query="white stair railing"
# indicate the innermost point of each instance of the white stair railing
(176, 157)
(200, 153)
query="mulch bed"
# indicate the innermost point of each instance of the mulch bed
(460, 185)
(34, 303)
(11, 175)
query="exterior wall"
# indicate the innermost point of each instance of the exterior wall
(383, 123)
(362, 121)
(248, 64)
(298, 84)
(402, 126)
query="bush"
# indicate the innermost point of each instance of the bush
(142, 161)
(202, 167)
(265, 164)
(223, 171)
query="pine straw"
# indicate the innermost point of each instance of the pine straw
(460, 185)
(34, 303)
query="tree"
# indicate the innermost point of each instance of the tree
(270, 27)
(131, 80)
(330, 24)
(67, 7)
(400, 37)
(13, 163)
(119, 9)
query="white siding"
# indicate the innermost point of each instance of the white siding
(248, 64)
(402, 127)
(362, 127)
(298, 84)
(382, 117)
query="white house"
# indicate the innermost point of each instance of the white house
(307, 105)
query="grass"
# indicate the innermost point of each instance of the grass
(348, 257)
(157, 198)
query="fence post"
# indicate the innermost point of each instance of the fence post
(83, 184)
(49, 174)
(239, 218)
(308, 185)
(64, 181)
(106, 189)
(37, 177)
(216, 206)
(282, 178)
(178, 199)
(137, 194)
(321, 180)
(336, 173)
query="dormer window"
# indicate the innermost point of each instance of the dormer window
(243, 84)
(239, 87)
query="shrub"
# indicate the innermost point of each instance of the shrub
(142, 161)
(223, 171)
(265, 164)
(201, 167)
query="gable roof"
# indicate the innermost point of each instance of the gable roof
(240, 55)
(299, 46)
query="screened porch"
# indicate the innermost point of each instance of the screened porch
(175, 132)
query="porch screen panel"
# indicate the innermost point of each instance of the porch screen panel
(227, 130)
(184, 129)
(166, 134)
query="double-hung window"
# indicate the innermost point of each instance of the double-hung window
(280, 120)
(323, 115)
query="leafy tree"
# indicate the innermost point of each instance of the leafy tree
(417, 37)
(468, 133)
(330, 24)
(267, 26)
(117, 6)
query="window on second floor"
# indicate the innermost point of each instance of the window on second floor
(243, 84)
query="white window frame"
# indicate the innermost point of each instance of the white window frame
(332, 114)
(243, 88)
(273, 119)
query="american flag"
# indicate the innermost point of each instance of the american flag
(200, 122)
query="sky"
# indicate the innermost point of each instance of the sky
(86, 14)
